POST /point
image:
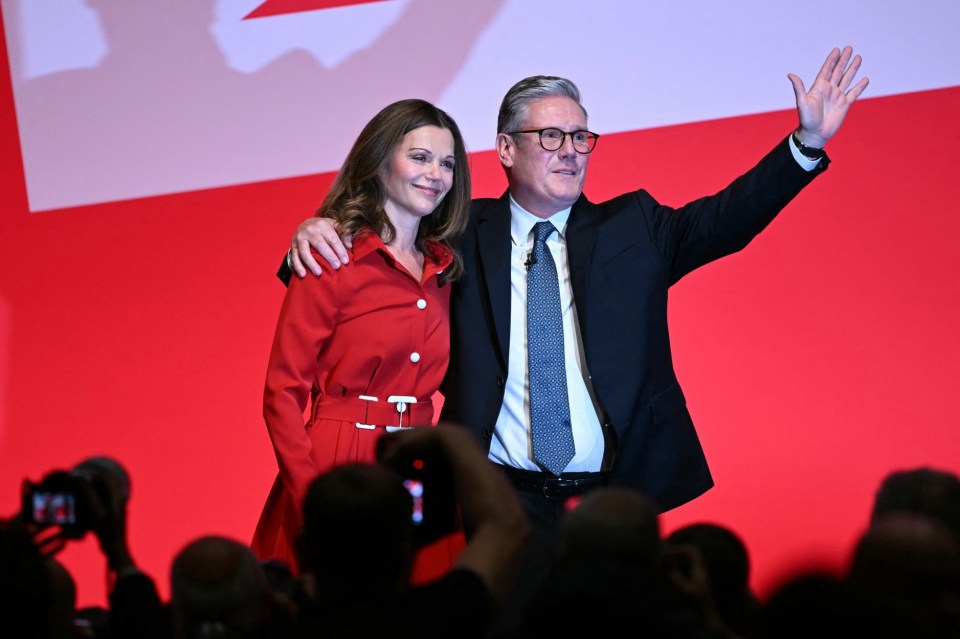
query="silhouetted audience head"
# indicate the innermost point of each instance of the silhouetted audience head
(610, 575)
(357, 534)
(927, 491)
(616, 524)
(811, 605)
(110, 470)
(906, 570)
(727, 564)
(218, 589)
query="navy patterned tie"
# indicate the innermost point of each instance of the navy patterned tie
(552, 435)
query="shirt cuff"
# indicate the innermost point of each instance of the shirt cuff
(805, 163)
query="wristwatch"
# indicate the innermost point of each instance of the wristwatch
(808, 152)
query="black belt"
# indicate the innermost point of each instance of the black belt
(552, 487)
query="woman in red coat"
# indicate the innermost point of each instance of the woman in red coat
(368, 343)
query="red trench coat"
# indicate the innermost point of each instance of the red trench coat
(368, 329)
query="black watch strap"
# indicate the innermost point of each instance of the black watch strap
(808, 152)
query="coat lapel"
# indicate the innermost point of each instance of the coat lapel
(581, 235)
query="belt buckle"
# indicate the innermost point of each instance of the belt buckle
(402, 402)
(367, 398)
(557, 484)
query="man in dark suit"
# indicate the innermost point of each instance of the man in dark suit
(627, 422)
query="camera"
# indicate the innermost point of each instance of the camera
(426, 475)
(63, 498)
(56, 501)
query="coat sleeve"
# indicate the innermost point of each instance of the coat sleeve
(307, 319)
(711, 227)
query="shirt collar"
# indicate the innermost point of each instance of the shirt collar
(367, 242)
(522, 221)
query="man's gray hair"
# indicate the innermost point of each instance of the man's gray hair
(513, 109)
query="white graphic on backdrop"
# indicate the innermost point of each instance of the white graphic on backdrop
(163, 111)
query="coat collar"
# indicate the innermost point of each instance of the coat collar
(436, 258)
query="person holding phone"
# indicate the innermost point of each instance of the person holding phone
(358, 538)
(369, 343)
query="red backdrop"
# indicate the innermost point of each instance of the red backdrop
(816, 361)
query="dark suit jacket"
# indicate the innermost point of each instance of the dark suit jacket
(623, 256)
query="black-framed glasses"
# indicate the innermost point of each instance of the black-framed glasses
(552, 139)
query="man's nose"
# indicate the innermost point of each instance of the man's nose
(566, 147)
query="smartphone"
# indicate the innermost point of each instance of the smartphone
(427, 477)
(415, 488)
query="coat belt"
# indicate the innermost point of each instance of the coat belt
(370, 412)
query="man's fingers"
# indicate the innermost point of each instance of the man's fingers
(850, 73)
(798, 89)
(301, 260)
(311, 263)
(857, 89)
(320, 234)
(841, 65)
(828, 65)
(293, 261)
(334, 244)
(328, 254)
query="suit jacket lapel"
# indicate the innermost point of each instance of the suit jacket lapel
(581, 235)
(493, 255)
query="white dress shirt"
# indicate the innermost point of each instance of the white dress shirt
(511, 445)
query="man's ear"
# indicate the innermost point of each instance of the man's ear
(506, 148)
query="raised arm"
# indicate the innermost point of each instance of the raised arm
(823, 108)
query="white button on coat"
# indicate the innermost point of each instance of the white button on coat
(414, 357)
(421, 304)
